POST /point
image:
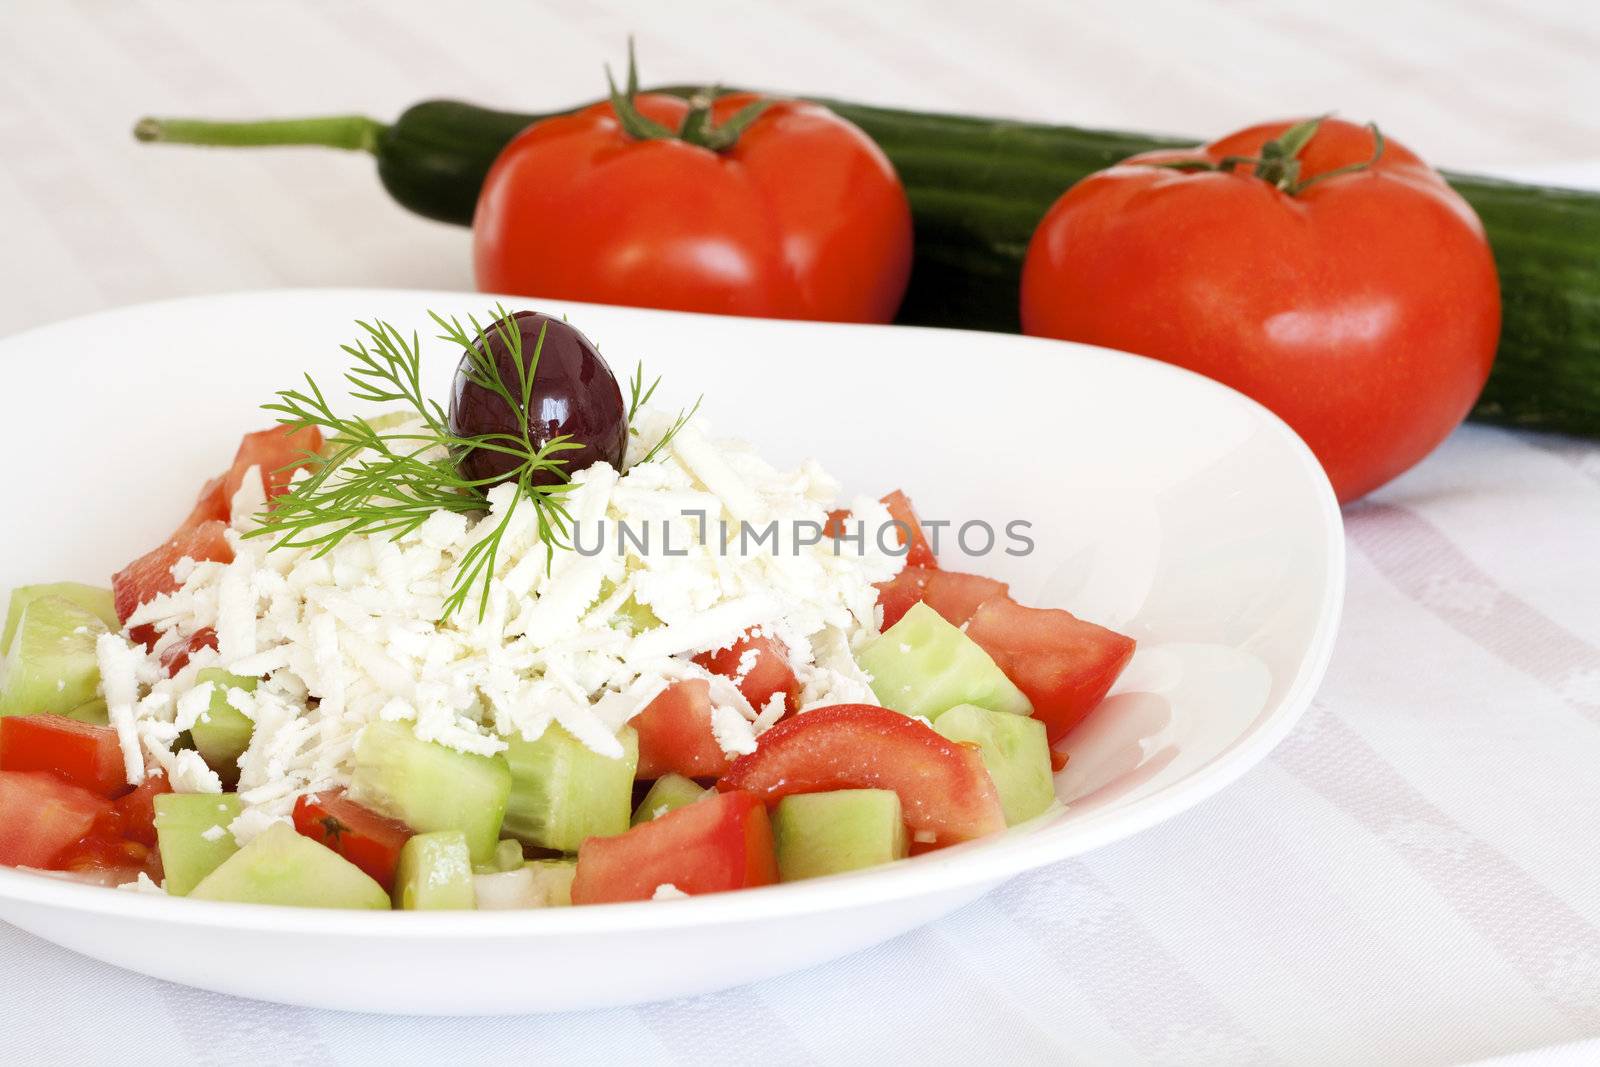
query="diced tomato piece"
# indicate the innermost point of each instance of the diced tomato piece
(78, 753)
(675, 734)
(769, 671)
(1058, 761)
(1063, 664)
(277, 453)
(713, 846)
(359, 834)
(41, 817)
(176, 658)
(942, 784)
(151, 574)
(901, 593)
(952, 594)
(209, 506)
(123, 840)
(918, 552)
(105, 850)
(136, 811)
(957, 596)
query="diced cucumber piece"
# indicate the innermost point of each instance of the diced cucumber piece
(553, 880)
(924, 666)
(563, 792)
(281, 867)
(192, 834)
(669, 793)
(1014, 750)
(223, 733)
(435, 873)
(97, 602)
(51, 665)
(93, 712)
(429, 787)
(844, 830)
(507, 857)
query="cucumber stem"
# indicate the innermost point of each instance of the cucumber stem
(351, 132)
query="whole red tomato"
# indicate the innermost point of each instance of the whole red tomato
(1361, 305)
(801, 216)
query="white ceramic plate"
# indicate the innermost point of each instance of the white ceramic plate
(1161, 503)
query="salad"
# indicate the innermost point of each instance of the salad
(539, 642)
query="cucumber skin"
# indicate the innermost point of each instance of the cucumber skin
(979, 186)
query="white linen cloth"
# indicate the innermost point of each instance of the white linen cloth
(1413, 877)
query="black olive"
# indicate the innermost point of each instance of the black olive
(575, 395)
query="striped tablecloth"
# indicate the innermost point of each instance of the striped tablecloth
(1413, 877)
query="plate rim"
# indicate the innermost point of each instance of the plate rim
(973, 864)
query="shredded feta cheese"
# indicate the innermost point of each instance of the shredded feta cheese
(143, 884)
(354, 636)
(732, 731)
(668, 891)
(249, 500)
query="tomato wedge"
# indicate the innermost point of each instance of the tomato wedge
(902, 593)
(359, 834)
(210, 506)
(675, 734)
(277, 453)
(943, 785)
(952, 594)
(105, 851)
(918, 552)
(78, 753)
(151, 574)
(712, 846)
(1063, 664)
(136, 811)
(957, 596)
(769, 672)
(41, 817)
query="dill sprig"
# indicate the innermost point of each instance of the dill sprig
(389, 474)
(639, 395)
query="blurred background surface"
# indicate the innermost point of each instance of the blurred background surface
(91, 219)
